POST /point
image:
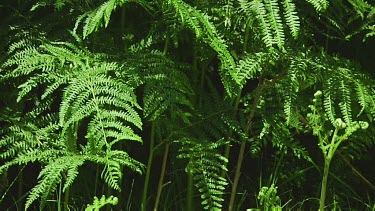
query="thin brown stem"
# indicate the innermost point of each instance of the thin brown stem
(161, 179)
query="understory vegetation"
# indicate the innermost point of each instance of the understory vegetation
(187, 105)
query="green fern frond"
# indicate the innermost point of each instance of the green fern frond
(345, 104)
(291, 17)
(113, 160)
(94, 95)
(329, 108)
(100, 16)
(51, 175)
(247, 68)
(284, 140)
(99, 203)
(90, 93)
(205, 164)
(170, 83)
(319, 5)
(258, 8)
(274, 19)
(112, 174)
(30, 132)
(362, 94)
(292, 89)
(358, 144)
(205, 30)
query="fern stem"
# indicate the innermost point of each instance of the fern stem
(161, 179)
(237, 175)
(149, 163)
(324, 184)
(273, 178)
(203, 75)
(227, 147)
(59, 197)
(328, 152)
(66, 199)
(189, 194)
(20, 187)
(243, 145)
(96, 179)
(238, 98)
(166, 45)
(246, 40)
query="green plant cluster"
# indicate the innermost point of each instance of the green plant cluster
(204, 105)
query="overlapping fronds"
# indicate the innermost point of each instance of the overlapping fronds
(108, 103)
(51, 175)
(166, 87)
(270, 24)
(100, 16)
(199, 23)
(92, 99)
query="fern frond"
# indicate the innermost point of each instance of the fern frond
(99, 203)
(51, 175)
(292, 89)
(329, 108)
(345, 104)
(93, 95)
(362, 94)
(112, 174)
(205, 30)
(275, 22)
(291, 17)
(205, 164)
(113, 160)
(319, 5)
(100, 16)
(247, 68)
(261, 15)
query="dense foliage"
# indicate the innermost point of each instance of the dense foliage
(187, 105)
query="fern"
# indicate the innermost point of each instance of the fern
(51, 175)
(275, 21)
(162, 78)
(205, 164)
(329, 108)
(290, 96)
(258, 8)
(82, 102)
(345, 104)
(206, 31)
(89, 93)
(291, 17)
(319, 5)
(95, 19)
(99, 203)
(248, 67)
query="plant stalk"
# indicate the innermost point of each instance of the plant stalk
(237, 175)
(148, 170)
(227, 147)
(59, 197)
(66, 199)
(243, 145)
(20, 187)
(189, 195)
(327, 162)
(328, 154)
(161, 179)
